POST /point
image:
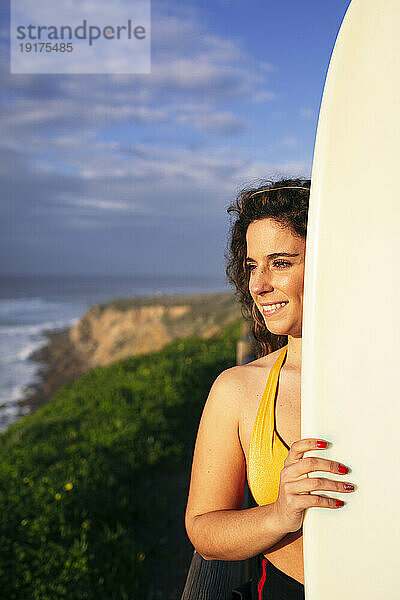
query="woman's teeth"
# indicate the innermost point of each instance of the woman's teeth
(273, 307)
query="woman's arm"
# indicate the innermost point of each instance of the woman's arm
(215, 523)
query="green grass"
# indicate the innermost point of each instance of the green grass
(81, 479)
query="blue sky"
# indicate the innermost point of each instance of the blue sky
(125, 174)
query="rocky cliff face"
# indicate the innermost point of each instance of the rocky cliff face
(125, 327)
(128, 327)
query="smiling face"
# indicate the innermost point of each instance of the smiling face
(275, 277)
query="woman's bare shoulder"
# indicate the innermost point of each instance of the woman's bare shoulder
(235, 379)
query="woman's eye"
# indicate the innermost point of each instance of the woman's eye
(281, 263)
(278, 263)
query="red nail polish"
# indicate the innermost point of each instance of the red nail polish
(339, 503)
(342, 469)
(321, 444)
(348, 486)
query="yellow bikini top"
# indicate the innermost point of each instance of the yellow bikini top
(267, 451)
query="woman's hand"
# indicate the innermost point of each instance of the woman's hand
(295, 485)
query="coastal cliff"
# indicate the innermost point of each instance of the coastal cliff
(126, 327)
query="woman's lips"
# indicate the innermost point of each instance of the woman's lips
(269, 312)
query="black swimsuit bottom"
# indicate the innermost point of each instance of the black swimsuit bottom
(270, 583)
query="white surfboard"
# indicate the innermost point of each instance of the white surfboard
(351, 326)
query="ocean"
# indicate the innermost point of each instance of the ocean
(32, 304)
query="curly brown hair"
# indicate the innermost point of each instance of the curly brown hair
(287, 206)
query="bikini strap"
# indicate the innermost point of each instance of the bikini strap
(263, 430)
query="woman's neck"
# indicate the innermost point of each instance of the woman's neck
(293, 356)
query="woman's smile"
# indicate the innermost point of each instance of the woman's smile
(272, 309)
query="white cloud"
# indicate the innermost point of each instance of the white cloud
(102, 205)
(122, 55)
(218, 123)
(306, 113)
(289, 141)
(135, 181)
(263, 96)
(189, 67)
(83, 223)
(256, 170)
(266, 66)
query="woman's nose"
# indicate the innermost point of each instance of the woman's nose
(260, 282)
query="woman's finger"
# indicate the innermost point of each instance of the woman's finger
(299, 447)
(314, 463)
(313, 484)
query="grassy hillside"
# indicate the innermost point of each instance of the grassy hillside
(90, 483)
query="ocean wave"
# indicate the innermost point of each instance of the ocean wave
(37, 329)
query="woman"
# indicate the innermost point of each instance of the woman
(250, 425)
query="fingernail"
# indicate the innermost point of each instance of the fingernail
(339, 503)
(321, 444)
(342, 469)
(348, 486)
